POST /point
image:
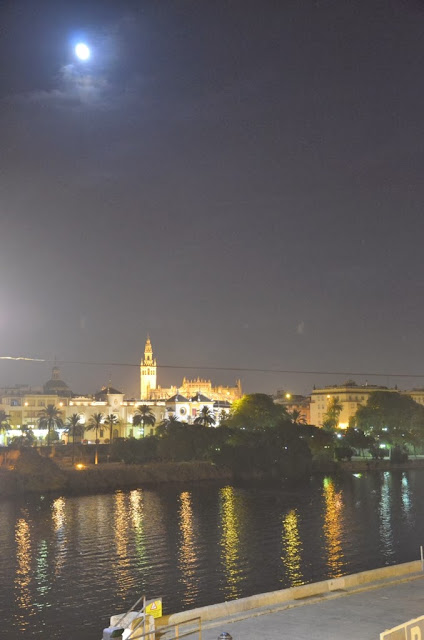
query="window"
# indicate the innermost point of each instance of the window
(101, 433)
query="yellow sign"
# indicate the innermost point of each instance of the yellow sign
(154, 608)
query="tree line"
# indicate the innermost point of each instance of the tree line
(257, 434)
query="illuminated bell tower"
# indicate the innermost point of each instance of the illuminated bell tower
(147, 372)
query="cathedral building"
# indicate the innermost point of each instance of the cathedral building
(150, 390)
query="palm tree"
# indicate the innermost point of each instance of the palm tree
(4, 421)
(331, 417)
(50, 418)
(75, 427)
(170, 421)
(143, 415)
(296, 416)
(205, 418)
(95, 422)
(111, 421)
(223, 417)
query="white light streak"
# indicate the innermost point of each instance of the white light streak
(22, 358)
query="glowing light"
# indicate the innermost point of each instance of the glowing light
(82, 51)
(79, 466)
(21, 358)
(288, 396)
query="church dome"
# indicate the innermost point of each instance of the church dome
(57, 386)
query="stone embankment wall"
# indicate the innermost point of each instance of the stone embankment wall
(285, 596)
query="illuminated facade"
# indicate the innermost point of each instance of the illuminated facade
(23, 405)
(350, 395)
(187, 410)
(416, 394)
(150, 390)
(148, 373)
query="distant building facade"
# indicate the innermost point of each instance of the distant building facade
(23, 404)
(295, 402)
(350, 395)
(416, 394)
(150, 390)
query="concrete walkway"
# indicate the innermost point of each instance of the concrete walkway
(354, 615)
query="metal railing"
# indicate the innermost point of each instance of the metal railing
(161, 632)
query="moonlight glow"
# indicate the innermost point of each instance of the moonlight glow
(82, 51)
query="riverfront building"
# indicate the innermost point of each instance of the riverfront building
(23, 404)
(350, 395)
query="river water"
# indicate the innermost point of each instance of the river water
(68, 563)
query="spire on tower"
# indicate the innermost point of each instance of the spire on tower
(148, 352)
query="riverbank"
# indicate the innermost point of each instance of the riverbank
(32, 473)
(28, 472)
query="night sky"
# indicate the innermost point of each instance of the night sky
(241, 180)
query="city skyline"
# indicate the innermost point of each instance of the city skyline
(243, 182)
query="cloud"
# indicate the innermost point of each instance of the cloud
(100, 83)
(300, 329)
(75, 89)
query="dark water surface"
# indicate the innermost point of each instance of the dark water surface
(68, 563)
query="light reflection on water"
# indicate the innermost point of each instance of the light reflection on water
(121, 565)
(230, 542)
(77, 560)
(23, 574)
(59, 526)
(187, 555)
(333, 527)
(385, 513)
(292, 548)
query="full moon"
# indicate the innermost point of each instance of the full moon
(82, 51)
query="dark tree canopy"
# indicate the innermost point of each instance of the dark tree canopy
(391, 417)
(256, 411)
